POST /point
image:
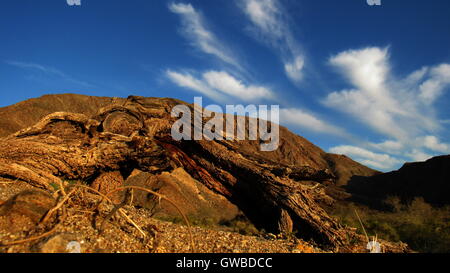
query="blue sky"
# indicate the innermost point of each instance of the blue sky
(371, 82)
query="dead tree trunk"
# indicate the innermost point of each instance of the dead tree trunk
(136, 136)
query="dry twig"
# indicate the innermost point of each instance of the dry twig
(120, 209)
(367, 237)
(58, 206)
(160, 196)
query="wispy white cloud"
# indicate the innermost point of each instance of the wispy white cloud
(432, 88)
(196, 30)
(394, 147)
(399, 109)
(227, 84)
(188, 81)
(219, 85)
(371, 100)
(294, 69)
(366, 157)
(49, 71)
(418, 155)
(420, 148)
(271, 25)
(296, 117)
(266, 15)
(433, 144)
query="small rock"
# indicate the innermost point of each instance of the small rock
(24, 210)
(59, 243)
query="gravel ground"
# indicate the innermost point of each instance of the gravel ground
(81, 220)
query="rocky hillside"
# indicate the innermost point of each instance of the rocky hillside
(122, 149)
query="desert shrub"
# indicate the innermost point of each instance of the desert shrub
(383, 229)
(241, 225)
(423, 227)
(203, 222)
(394, 203)
(171, 219)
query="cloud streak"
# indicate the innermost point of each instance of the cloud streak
(270, 24)
(366, 157)
(220, 86)
(299, 118)
(49, 71)
(195, 29)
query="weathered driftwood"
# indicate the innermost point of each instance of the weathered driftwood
(136, 135)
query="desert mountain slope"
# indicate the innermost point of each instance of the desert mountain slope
(109, 143)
